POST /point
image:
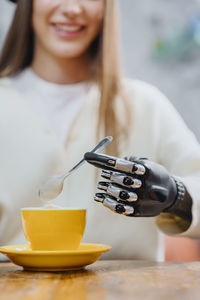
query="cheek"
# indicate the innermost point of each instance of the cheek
(43, 6)
(37, 16)
(95, 17)
(41, 10)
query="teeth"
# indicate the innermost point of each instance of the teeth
(68, 28)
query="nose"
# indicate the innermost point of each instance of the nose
(71, 8)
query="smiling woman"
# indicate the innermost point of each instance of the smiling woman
(66, 30)
(61, 88)
(87, 50)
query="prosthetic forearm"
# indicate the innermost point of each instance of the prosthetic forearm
(178, 217)
(141, 188)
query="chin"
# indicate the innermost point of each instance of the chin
(69, 53)
(68, 50)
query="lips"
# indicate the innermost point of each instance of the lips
(69, 28)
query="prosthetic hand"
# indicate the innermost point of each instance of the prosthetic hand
(139, 187)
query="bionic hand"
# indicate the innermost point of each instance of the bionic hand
(139, 187)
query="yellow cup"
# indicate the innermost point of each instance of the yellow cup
(53, 229)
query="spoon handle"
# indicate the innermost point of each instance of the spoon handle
(98, 148)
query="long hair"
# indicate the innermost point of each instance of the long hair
(17, 54)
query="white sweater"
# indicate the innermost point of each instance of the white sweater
(30, 151)
(57, 104)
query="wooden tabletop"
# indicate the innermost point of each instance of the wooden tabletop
(104, 280)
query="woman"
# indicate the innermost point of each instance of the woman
(61, 90)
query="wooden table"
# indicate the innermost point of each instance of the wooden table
(104, 280)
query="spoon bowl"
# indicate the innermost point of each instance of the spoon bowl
(53, 185)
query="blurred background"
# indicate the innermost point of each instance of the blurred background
(160, 43)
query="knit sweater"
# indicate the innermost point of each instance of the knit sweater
(30, 151)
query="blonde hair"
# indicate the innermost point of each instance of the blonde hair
(17, 54)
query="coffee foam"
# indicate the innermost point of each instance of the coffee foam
(52, 206)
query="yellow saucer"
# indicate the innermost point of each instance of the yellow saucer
(31, 260)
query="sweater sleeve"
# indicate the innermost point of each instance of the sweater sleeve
(179, 152)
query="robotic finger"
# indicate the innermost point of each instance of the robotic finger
(117, 192)
(114, 164)
(122, 179)
(114, 205)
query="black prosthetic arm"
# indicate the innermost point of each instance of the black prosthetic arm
(140, 187)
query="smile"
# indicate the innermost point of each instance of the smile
(69, 28)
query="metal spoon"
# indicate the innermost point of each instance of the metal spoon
(53, 185)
